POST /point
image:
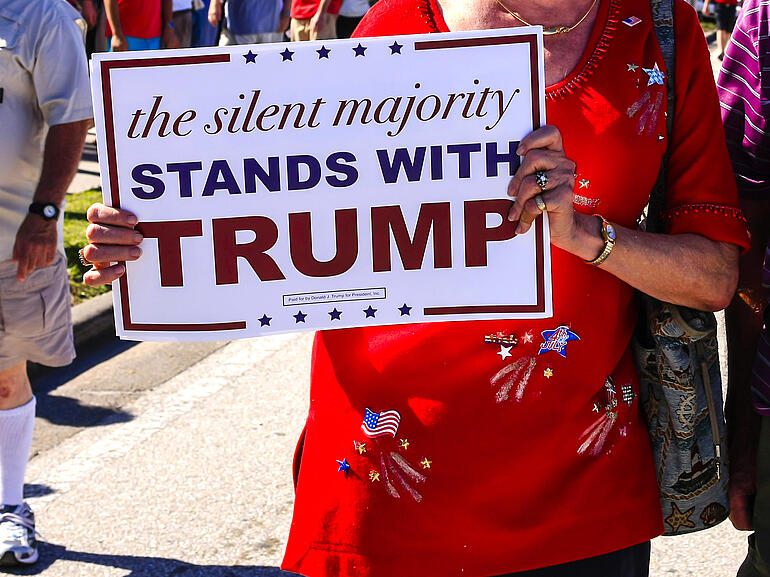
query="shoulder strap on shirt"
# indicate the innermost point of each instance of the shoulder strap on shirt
(663, 22)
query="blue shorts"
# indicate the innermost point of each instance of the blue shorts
(139, 43)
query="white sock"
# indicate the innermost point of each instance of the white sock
(16, 427)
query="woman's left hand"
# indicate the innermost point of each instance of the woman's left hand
(542, 152)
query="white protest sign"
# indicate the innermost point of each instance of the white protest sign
(319, 185)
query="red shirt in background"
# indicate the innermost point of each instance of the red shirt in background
(509, 463)
(304, 9)
(139, 18)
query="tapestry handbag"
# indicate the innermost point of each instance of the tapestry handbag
(677, 359)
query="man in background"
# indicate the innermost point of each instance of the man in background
(140, 24)
(250, 21)
(45, 112)
(314, 19)
(745, 100)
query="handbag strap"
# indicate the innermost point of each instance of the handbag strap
(663, 22)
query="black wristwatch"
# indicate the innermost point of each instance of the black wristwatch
(47, 210)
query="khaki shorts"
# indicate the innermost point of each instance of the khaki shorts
(227, 38)
(300, 29)
(35, 316)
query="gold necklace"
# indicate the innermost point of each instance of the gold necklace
(555, 29)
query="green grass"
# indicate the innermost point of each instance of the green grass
(75, 224)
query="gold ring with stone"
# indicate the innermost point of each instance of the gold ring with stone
(541, 178)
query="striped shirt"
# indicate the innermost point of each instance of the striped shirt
(744, 92)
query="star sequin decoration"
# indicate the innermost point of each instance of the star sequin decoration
(527, 337)
(369, 312)
(548, 373)
(504, 352)
(557, 340)
(677, 519)
(299, 317)
(655, 75)
(584, 183)
(250, 57)
(426, 463)
(344, 466)
(405, 310)
(360, 50)
(287, 55)
(597, 407)
(265, 321)
(323, 52)
(632, 67)
(360, 447)
(374, 476)
(395, 48)
(404, 444)
(335, 314)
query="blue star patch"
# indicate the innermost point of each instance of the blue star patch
(405, 310)
(360, 50)
(250, 57)
(655, 75)
(370, 312)
(395, 48)
(323, 52)
(265, 321)
(344, 466)
(335, 314)
(556, 340)
(299, 317)
(287, 55)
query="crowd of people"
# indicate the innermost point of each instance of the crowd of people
(513, 487)
(152, 24)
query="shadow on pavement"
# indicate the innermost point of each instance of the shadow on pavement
(66, 411)
(32, 490)
(140, 566)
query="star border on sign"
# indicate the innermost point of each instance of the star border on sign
(360, 50)
(405, 310)
(265, 320)
(323, 52)
(299, 317)
(251, 57)
(335, 314)
(287, 55)
(395, 48)
(369, 312)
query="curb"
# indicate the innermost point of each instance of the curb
(93, 321)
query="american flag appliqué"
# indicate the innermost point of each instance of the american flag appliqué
(380, 424)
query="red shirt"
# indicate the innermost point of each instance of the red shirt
(139, 18)
(304, 9)
(509, 463)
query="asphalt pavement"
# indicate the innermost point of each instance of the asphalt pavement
(174, 459)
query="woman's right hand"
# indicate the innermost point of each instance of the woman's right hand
(112, 239)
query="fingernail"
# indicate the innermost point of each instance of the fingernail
(120, 270)
(138, 237)
(519, 150)
(132, 220)
(135, 251)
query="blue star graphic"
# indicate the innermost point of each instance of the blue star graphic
(250, 57)
(299, 317)
(370, 312)
(265, 321)
(656, 76)
(360, 50)
(556, 340)
(323, 52)
(405, 310)
(335, 314)
(395, 48)
(287, 55)
(344, 466)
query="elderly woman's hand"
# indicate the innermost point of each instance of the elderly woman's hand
(112, 239)
(545, 181)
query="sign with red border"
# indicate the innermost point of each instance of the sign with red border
(321, 185)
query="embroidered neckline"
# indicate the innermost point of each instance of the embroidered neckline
(567, 86)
